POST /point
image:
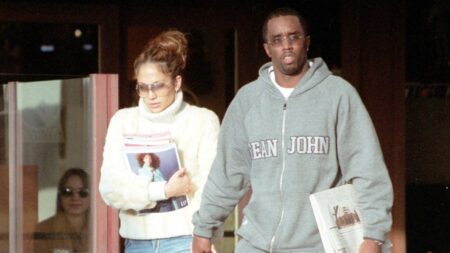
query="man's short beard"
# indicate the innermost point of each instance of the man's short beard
(291, 70)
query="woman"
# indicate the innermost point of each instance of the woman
(67, 231)
(148, 166)
(161, 108)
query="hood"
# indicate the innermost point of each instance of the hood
(315, 75)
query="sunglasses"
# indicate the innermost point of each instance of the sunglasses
(67, 192)
(160, 89)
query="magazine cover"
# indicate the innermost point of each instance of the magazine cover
(158, 163)
(338, 219)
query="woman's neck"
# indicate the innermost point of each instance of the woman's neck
(78, 222)
(168, 114)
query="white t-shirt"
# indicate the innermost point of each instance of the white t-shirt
(285, 91)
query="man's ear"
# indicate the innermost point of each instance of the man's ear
(266, 49)
(308, 42)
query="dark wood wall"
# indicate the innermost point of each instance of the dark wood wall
(373, 60)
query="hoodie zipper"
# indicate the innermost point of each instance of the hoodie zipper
(272, 241)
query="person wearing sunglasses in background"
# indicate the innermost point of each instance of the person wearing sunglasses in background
(67, 231)
(158, 69)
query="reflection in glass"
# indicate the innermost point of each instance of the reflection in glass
(67, 230)
(48, 48)
(51, 137)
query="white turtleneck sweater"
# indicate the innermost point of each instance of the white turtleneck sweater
(194, 130)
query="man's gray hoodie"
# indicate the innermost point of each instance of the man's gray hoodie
(320, 137)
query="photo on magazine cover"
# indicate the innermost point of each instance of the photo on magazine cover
(159, 164)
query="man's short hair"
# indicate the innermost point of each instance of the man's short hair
(284, 11)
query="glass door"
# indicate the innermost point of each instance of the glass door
(52, 134)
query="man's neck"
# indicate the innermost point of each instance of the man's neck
(287, 81)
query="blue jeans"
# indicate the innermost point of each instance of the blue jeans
(180, 244)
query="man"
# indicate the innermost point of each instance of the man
(294, 131)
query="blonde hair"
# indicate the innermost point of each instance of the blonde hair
(168, 50)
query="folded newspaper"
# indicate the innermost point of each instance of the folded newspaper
(338, 219)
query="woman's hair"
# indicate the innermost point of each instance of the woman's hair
(168, 50)
(155, 159)
(63, 180)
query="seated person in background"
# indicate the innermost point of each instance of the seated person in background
(67, 231)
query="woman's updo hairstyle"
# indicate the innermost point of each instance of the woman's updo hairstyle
(168, 49)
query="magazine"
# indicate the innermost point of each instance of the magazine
(159, 163)
(338, 219)
(156, 139)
